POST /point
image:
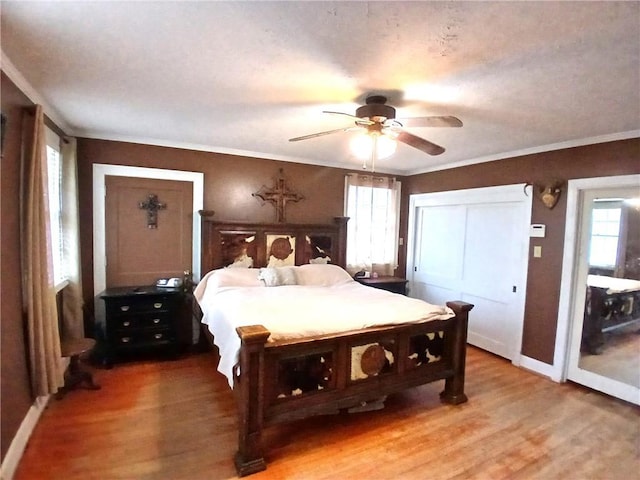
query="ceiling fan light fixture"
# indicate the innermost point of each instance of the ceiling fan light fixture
(362, 146)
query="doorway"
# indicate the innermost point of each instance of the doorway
(148, 229)
(472, 245)
(100, 172)
(600, 315)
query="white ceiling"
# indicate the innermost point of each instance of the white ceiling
(244, 77)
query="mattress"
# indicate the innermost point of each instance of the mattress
(301, 310)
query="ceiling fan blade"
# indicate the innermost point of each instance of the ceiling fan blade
(357, 119)
(320, 134)
(419, 143)
(435, 121)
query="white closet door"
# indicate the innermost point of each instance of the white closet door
(472, 246)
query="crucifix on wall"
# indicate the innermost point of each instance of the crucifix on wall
(152, 205)
(279, 195)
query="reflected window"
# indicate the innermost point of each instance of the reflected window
(605, 232)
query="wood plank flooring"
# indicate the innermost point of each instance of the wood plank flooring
(176, 420)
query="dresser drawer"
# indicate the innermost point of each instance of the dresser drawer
(138, 321)
(141, 338)
(131, 305)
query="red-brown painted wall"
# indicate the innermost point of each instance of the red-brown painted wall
(543, 282)
(15, 388)
(229, 182)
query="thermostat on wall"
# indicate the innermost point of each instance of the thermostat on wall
(537, 230)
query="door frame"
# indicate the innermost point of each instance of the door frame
(497, 194)
(569, 280)
(100, 171)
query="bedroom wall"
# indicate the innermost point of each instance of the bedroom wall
(543, 282)
(14, 378)
(229, 182)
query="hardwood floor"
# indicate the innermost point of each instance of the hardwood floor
(620, 356)
(176, 420)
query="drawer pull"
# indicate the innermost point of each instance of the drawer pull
(157, 305)
(126, 323)
(157, 336)
(124, 308)
(156, 320)
(125, 339)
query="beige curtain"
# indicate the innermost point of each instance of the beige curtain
(72, 301)
(372, 204)
(45, 362)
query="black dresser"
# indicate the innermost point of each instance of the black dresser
(139, 321)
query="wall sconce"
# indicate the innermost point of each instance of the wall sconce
(548, 193)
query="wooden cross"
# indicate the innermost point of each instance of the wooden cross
(279, 195)
(152, 205)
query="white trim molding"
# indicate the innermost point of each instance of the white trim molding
(582, 142)
(99, 243)
(19, 443)
(536, 366)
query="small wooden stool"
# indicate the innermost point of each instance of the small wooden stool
(75, 374)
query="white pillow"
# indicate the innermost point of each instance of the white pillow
(322, 275)
(235, 277)
(277, 276)
(228, 277)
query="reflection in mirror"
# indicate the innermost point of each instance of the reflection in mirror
(611, 327)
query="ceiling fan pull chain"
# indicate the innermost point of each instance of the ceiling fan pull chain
(374, 151)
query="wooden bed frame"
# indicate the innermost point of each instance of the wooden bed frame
(288, 380)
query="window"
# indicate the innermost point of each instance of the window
(373, 206)
(54, 177)
(605, 230)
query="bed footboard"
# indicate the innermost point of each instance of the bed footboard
(287, 380)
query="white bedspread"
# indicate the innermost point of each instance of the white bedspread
(613, 285)
(298, 311)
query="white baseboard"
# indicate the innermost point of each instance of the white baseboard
(19, 442)
(539, 367)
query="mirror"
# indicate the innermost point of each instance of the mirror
(610, 341)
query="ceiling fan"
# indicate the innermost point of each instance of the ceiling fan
(377, 118)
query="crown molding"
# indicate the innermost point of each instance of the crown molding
(225, 151)
(613, 137)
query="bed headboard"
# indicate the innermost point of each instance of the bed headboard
(226, 243)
